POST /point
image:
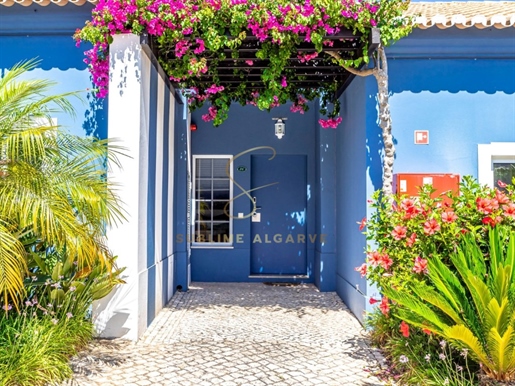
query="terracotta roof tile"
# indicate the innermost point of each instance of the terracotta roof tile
(484, 14)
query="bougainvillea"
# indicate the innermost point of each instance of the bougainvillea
(194, 36)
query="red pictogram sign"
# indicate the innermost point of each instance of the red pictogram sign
(421, 137)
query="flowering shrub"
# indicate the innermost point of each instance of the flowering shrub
(471, 302)
(415, 237)
(410, 231)
(194, 36)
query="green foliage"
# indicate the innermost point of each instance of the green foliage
(60, 288)
(56, 201)
(412, 234)
(471, 303)
(412, 231)
(194, 37)
(419, 359)
(35, 350)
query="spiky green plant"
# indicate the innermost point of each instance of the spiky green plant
(52, 184)
(472, 305)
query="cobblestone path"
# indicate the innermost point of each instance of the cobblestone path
(239, 334)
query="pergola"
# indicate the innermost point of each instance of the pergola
(319, 71)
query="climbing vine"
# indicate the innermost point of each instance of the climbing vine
(194, 37)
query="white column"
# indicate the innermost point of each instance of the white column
(118, 314)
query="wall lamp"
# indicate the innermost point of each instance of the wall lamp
(280, 127)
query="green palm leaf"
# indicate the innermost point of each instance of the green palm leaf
(12, 266)
(501, 349)
(53, 185)
(485, 320)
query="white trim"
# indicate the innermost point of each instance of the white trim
(194, 201)
(487, 154)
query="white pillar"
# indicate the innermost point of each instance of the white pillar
(122, 313)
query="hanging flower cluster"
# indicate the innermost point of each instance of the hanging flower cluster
(194, 36)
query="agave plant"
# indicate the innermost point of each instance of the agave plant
(53, 190)
(471, 303)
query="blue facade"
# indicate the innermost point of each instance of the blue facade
(463, 99)
(458, 84)
(247, 128)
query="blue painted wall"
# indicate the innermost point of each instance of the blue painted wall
(326, 198)
(351, 165)
(180, 213)
(459, 85)
(248, 127)
(463, 100)
(45, 33)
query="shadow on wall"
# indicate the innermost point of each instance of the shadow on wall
(95, 116)
(375, 145)
(63, 63)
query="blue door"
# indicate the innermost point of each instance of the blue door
(279, 228)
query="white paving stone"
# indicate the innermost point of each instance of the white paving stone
(239, 334)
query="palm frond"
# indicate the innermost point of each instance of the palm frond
(413, 305)
(12, 266)
(446, 282)
(465, 338)
(501, 348)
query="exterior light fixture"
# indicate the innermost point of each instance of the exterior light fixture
(280, 127)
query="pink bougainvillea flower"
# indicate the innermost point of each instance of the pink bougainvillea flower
(298, 106)
(181, 47)
(420, 265)
(431, 227)
(200, 47)
(214, 89)
(363, 223)
(330, 122)
(501, 184)
(509, 210)
(283, 82)
(404, 328)
(249, 62)
(362, 269)
(411, 240)
(306, 57)
(384, 307)
(211, 114)
(449, 216)
(386, 262)
(399, 232)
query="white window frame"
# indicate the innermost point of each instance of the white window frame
(221, 245)
(488, 154)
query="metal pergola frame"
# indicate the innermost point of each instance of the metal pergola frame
(314, 73)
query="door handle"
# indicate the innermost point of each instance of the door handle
(255, 207)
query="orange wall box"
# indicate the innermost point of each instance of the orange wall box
(410, 183)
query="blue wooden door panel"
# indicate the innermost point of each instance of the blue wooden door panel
(279, 239)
